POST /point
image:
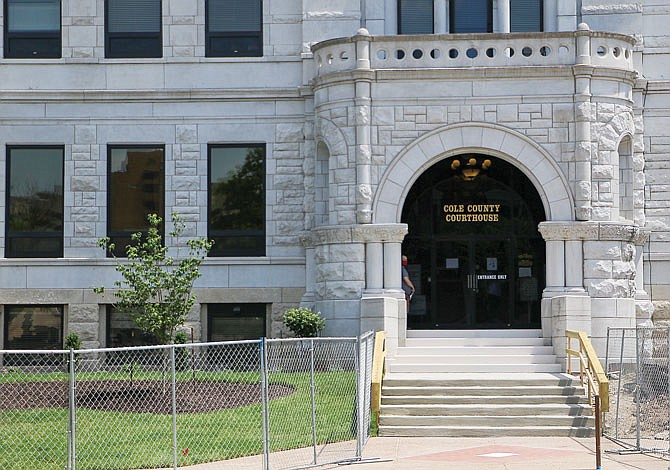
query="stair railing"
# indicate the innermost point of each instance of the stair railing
(378, 369)
(593, 378)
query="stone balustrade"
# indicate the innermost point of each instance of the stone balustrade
(475, 50)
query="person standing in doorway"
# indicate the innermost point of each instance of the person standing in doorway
(407, 285)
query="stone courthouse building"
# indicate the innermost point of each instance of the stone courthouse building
(516, 151)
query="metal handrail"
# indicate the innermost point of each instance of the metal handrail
(592, 374)
(378, 369)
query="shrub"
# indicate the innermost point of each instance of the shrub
(72, 341)
(303, 323)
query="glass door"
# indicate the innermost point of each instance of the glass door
(474, 285)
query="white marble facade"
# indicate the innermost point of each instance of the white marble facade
(582, 109)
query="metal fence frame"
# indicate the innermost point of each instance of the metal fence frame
(637, 362)
(350, 358)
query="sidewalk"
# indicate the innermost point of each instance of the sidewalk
(501, 453)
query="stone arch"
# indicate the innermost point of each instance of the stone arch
(501, 142)
(328, 134)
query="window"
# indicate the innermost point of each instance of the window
(415, 16)
(525, 15)
(133, 28)
(470, 16)
(34, 210)
(32, 29)
(234, 28)
(235, 322)
(237, 200)
(33, 327)
(135, 190)
(122, 331)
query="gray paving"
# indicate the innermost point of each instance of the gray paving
(501, 453)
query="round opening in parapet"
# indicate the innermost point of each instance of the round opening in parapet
(472, 53)
(616, 52)
(490, 52)
(601, 51)
(399, 54)
(417, 53)
(545, 51)
(526, 51)
(382, 54)
(453, 53)
(509, 52)
(435, 53)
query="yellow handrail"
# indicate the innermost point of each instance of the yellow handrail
(589, 366)
(591, 373)
(378, 359)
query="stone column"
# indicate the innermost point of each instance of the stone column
(583, 117)
(362, 111)
(644, 308)
(440, 16)
(374, 266)
(392, 266)
(574, 266)
(504, 23)
(549, 16)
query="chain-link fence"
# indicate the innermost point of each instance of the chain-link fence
(174, 406)
(637, 363)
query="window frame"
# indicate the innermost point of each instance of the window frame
(121, 251)
(399, 16)
(111, 53)
(489, 18)
(5, 324)
(221, 309)
(210, 51)
(261, 234)
(35, 234)
(8, 37)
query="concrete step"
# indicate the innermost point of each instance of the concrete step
(488, 421)
(485, 431)
(470, 379)
(472, 367)
(454, 342)
(505, 409)
(485, 391)
(499, 333)
(473, 350)
(475, 359)
(480, 400)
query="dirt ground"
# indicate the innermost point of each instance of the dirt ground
(138, 396)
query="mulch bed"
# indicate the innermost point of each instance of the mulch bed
(138, 396)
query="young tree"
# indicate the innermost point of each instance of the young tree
(156, 288)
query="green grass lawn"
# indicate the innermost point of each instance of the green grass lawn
(37, 438)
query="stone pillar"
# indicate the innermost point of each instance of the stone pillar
(644, 308)
(574, 266)
(555, 266)
(362, 102)
(440, 16)
(392, 266)
(374, 267)
(583, 117)
(504, 23)
(550, 16)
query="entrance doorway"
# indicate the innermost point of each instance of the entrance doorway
(475, 255)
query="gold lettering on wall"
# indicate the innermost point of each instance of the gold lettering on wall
(471, 212)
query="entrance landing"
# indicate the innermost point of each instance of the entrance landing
(479, 383)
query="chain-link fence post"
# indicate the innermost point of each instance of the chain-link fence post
(359, 401)
(313, 392)
(72, 421)
(264, 403)
(173, 373)
(637, 385)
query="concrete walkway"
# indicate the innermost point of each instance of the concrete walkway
(500, 453)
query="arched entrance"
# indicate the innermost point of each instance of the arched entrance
(475, 255)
